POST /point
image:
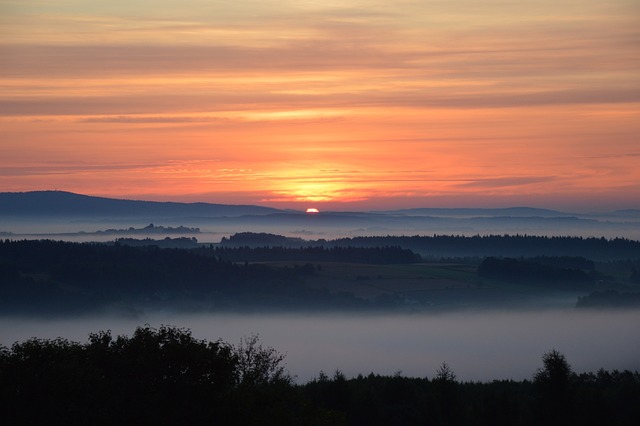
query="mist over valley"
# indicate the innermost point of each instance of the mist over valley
(478, 345)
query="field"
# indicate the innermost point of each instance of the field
(430, 286)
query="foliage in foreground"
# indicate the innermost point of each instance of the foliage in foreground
(162, 376)
(166, 376)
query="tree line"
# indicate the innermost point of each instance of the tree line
(532, 271)
(443, 246)
(609, 299)
(348, 254)
(55, 277)
(167, 376)
(61, 277)
(602, 249)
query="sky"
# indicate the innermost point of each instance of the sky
(343, 105)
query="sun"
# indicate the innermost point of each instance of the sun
(312, 210)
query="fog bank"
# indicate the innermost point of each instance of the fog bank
(479, 346)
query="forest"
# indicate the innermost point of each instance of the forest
(54, 277)
(61, 277)
(166, 376)
(45, 276)
(457, 246)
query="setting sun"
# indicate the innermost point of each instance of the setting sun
(312, 210)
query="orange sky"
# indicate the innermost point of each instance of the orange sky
(343, 105)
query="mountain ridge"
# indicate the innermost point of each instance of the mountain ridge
(55, 203)
(520, 211)
(63, 203)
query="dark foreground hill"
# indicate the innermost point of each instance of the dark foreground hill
(68, 204)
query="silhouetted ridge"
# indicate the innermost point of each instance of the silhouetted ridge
(60, 203)
(471, 212)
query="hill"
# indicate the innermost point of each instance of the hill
(61, 203)
(480, 212)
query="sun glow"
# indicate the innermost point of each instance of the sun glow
(312, 210)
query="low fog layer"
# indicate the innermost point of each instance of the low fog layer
(321, 226)
(478, 346)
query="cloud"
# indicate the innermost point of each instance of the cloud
(546, 98)
(315, 57)
(151, 119)
(70, 169)
(508, 181)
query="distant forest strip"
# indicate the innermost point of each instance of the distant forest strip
(53, 276)
(166, 376)
(442, 246)
(348, 254)
(42, 276)
(149, 229)
(530, 271)
(608, 299)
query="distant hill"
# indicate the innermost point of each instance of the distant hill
(479, 212)
(60, 203)
(629, 213)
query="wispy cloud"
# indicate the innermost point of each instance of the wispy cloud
(509, 181)
(150, 119)
(69, 169)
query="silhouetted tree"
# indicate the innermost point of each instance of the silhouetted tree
(552, 386)
(447, 396)
(156, 376)
(258, 365)
(166, 376)
(445, 374)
